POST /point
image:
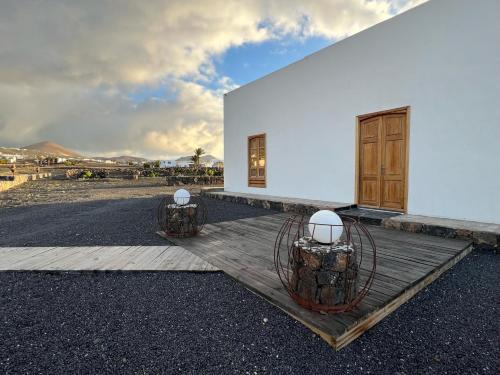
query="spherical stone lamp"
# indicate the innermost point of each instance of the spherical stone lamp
(181, 197)
(326, 226)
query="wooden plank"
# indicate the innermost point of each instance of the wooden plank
(102, 258)
(46, 260)
(105, 255)
(73, 262)
(28, 261)
(178, 258)
(20, 254)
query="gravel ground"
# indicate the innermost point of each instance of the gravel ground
(206, 323)
(76, 213)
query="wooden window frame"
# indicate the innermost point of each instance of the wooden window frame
(400, 110)
(259, 182)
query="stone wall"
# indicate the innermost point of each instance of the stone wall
(194, 180)
(483, 235)
(270, 203)
(7, 182)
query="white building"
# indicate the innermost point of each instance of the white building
(184, 163)
(11, 158)
(167, 163)
(212, 163)
(402, 116)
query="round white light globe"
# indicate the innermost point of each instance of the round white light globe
(181, 197)
(326, 226)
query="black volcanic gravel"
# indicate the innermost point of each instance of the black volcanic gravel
(110, 222)
(206, 323)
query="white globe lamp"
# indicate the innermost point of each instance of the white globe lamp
(181, 197)
(326, 226)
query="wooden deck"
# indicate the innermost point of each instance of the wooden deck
(101, 258)
(406, 263)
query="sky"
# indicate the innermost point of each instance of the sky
(146, 78)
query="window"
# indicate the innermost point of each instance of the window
(257, 160)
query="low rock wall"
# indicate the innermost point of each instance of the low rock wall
(7, 182)
(194, 180)
(486, 239)
(269, 204)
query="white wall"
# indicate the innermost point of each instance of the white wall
(441, 58)
(167, 163)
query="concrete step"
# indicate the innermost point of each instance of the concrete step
(368, 216)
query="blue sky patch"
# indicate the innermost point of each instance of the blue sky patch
(248, 62)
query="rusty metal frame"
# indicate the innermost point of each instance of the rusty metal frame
(162, 218)
(293, 229)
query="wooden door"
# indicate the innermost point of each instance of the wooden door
(382, 161)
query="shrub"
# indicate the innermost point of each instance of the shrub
(86, 174)
(150, 173)
(93, 174)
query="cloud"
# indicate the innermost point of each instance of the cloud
(106, 123)
(67, 69)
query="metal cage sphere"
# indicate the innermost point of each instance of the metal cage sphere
(332, 277)
(181, 220)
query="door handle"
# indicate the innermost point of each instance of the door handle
(383, 170)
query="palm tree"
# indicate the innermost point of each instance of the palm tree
(197, 155)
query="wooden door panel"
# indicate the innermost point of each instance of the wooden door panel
(370, 192)
(394, 126)
(393, 161)
(370, 129)
(370, 159)
(394, 158)
(370, 163)
(393, 194)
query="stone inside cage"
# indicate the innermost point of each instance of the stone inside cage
(324, 274)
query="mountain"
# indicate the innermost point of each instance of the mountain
(52, 148)
(203, 158)
(124, 159)
(127, 158)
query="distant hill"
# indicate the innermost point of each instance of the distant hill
(52, 148)
(203, 158)
(124, 159)
(128, 158)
